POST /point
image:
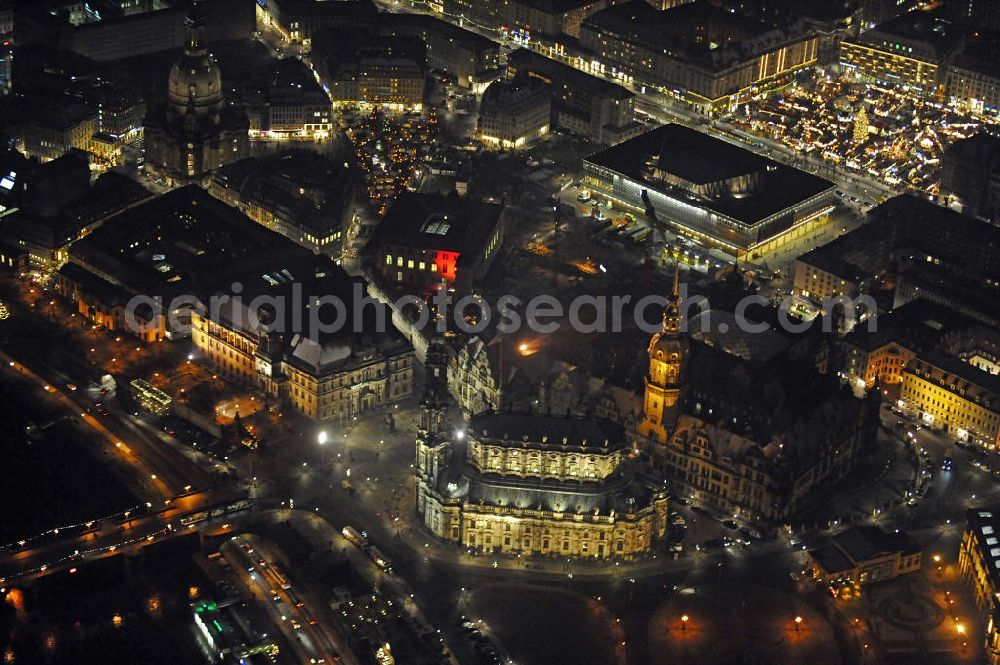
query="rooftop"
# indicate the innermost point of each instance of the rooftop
(689, 158)
(555, 431)
(926, 27)
(509, 93)
(863, 543)
(696, 31)
(435, 222)
(311, 189)
(527, 62)
(433, 24)
(919, 323)
(979, 383)
(186, 242)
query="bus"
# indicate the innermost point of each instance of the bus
(380, 559)
(359, 539)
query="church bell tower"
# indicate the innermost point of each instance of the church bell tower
(668, 353)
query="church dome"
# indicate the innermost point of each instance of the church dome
(668, 347)
(195, 81)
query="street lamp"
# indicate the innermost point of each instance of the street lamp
(798, 623)
(684, 622)
(321, 438)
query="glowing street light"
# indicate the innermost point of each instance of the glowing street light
(684, 622)
(798, 623)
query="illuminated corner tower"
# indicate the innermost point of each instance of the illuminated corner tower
(668, 356)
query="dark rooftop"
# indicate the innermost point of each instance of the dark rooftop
(697, 31)
(433, 24)
(545, 428)
(445, 223)
(187, 242)
(963, 370)
(526, 62)
(919, 323)
(862, 543)
(831, 559)
(928, 27)
(698, 158)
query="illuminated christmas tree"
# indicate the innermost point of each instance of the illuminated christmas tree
(861, 126)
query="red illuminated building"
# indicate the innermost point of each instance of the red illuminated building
(427, 238)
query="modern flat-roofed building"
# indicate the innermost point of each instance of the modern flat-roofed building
(427, 238)
(512, 114)
(708, 57)
(955, 396)
(710, 189)
(595, 108)
(913, 50)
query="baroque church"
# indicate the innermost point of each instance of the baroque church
(193, 131)
(531, 483)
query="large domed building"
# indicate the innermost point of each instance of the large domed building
(194, 131)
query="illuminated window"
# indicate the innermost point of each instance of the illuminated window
(388, 259)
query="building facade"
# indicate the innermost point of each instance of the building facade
(587, 105)
(303, 196)
(371, 70)
(511, 114)
(912, 51)
(708, 57)
(863, 555)
(50, 133)
(331, 381)
(955, 396)
(471, 58)
(979, 563)
(526, 17)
